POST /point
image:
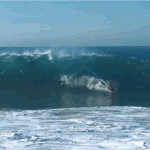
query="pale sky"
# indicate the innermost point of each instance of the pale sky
(74, 23)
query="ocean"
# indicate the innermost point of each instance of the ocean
(57, 98)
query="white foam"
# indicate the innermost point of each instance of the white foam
(53, 53)
(138, 143)
(7, 134)
(84, 81)
(89, 122)
(74, 120)
(100, 128)
(92, 54)
(37, 53)
(85, 148)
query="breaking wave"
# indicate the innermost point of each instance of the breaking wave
(64, 77)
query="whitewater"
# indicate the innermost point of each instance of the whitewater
(57, 98)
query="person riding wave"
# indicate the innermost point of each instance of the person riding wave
(112, 89)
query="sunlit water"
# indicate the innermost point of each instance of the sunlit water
(86, 128)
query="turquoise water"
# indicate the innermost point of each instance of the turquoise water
(57, 98)
(71, 77)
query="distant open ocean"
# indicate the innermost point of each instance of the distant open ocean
(56, 98)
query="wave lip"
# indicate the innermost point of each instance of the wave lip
(52, 53)
(34, 54)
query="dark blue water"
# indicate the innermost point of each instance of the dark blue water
(74, 77)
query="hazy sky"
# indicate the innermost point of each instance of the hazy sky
(110, 23)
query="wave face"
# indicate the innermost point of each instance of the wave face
(74, 77)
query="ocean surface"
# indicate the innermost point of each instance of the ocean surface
(57, 98)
